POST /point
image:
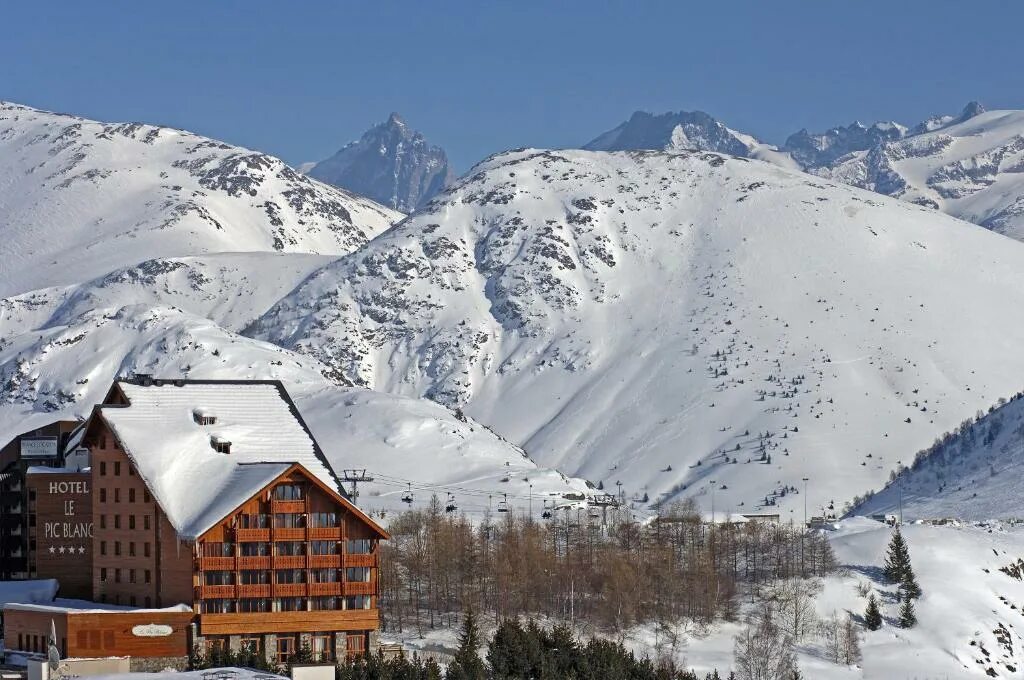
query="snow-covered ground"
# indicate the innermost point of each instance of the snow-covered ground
(669, 320)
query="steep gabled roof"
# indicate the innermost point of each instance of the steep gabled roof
(194, 483)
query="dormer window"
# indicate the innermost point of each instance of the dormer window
(220, 445)
(203, 417)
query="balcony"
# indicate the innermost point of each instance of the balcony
(288, 506)
(207, 592)
(254, 590)
(217, 563)
(324, 589)
(254, 562)
(325, 561)
(290, 590)
(290, 534)
(361, 560)
(360, 588)
(260, 535)
(325, 533)
(289, 562)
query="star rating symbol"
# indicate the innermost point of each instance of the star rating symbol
(81, 550)
(62, 550)
(52, 550)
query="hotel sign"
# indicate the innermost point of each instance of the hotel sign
(38, 447)
(69, 525)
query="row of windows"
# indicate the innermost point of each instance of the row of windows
(249, 605)
(260, 577)
(284, 646)
(132, 574)
(132, 601)
(117, 463)
(131, 548)
(117, 495)
(290, 520)
(287, 548)
(146, 522)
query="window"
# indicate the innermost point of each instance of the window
(117, 468)
(219, 606)
(103, 441)
(117, 548)
(355, 644)
(103, 521)
(145, 495)
(219, 578)
(131, 492)
(323, 547)
(289, 520)
(324, 575)
(357, 602)
(131, 548)
(255, 549)
(148, 600)
(360, 574)
(131, 576)
(149, 579)
(289, 548)
(291, 576)
(145, 549)
(252, 645)
(103, 574)
(288, 492)
(103, 547)
(132, 601)
(289, 604)
(254, 521)
(253, 604)
(323, 519)
(251, 577)
(103, 495)
(131, 521)
(321, 646)
(219, 549)
(285, 648)
(131, 472)
(324, 604)
(358, 546)
(117, 521)
(117, 576)
(103, 465)
(145, 522)
(117, 492)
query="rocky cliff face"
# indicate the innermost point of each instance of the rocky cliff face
(391, 163)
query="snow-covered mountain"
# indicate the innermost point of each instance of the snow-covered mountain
(669, 320)
(972, 472)
(684, 130)
(391, 163)
(81, 198)
(971, 167)
(813, 150)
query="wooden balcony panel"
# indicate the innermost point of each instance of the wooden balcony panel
(290, 534)
(324, 561)
(290, 590)
(299, 622)
(216, 563)
(207, 592)
(289, 562)
(254, 590)
(259, 562)
(288, 506)
(360, 588)
(243, 535)
(360, 560)
(325, 533)
(316, 589)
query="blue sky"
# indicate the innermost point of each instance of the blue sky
(300, 79)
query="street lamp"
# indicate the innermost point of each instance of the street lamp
(805, 500)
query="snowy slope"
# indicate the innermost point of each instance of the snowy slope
(81, 198)
(972, 169)
(618, 314)
(973, 472)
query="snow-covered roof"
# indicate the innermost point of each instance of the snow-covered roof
(194, 483)
(28, 592)
(68, 606)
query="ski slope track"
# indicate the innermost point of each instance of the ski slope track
(671, 320)
(81, 198)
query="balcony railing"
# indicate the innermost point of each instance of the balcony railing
(325, 533)
(242, 535)
(324, 589)
(216, 563)
(361, 560)
(254, 562)
(290, 589)
(360, 588)
(207, 592)
(277, 506)
(254, 590)
(324, 561)
(290, 534)
(289, 562)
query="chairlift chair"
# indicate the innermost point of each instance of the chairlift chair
(407, 496)
(546, 514)
(503, 503)
(450, 506)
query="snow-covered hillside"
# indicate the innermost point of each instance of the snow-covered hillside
(973, 472)
(972, 169)
(669, 320)
(81, 198)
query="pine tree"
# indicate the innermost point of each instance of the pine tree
(467, 664)
(872, 615)
(897, 561)
(908, 584)
(908, 618)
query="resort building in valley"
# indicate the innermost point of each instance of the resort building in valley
(206, 516)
